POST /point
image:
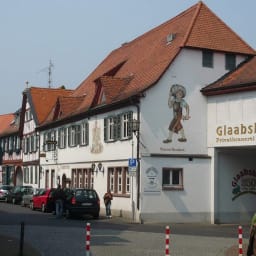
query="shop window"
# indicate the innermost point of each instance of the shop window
(172, 179)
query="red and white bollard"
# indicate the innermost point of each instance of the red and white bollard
(87, 239)
(240, 241)
(167, 241)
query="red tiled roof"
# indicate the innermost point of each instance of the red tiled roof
(64, 107)
(6, 126)
(147, 57)
(243, 78)
(210, 32)
(43, 100)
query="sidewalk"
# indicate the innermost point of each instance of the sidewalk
(11, 247)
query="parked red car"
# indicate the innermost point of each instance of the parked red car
(44, 200)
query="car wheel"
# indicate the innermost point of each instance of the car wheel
(13, 201)
(43, 208)
(68, 214)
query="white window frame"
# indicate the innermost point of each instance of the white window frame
(119, 181)
(72, 136)
(84, 133)
(172, 178)
(62, 137)
(125, 126)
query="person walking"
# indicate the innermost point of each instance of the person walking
(59, 201)
(251, 250)
(108, 197)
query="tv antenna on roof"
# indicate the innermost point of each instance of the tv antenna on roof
(50, 73)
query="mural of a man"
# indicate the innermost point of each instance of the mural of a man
(178, 104)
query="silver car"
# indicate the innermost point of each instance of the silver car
(4, 189)
(27, 198)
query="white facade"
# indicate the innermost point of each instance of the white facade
(195, 202)
(30, 152)
(231, 135)
(194, 199)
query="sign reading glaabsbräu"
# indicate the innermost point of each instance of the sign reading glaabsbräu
(244, 182)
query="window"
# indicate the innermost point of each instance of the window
(50, 141)
(72, 137)
(31, 174)
(26, 174)
(125, 125)
(82, 178)
(230, 61)
(62, 137)
(172, 179)
(119, 181)
(36, 174)
(118, 127)
(207, 59)
(84, 140)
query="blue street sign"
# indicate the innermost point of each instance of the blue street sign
(132, 162)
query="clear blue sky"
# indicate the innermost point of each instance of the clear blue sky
(78, 34)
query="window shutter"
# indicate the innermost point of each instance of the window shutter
(105, 129)
(78, 135)
(87, 133)
(117, 128)
(69, 135)
(65, 137)
(59, 137)
(55, 140)
(130, 115)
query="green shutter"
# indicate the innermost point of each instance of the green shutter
(87, 133)
(130, 115)
(105, 129)
(69, 135)
(117, 127)
(78, 135)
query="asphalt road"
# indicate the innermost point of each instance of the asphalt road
(117, 236)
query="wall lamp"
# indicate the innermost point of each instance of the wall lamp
(135, 126)
(97, 168)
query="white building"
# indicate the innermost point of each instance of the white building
(156, 79)
(189, 85)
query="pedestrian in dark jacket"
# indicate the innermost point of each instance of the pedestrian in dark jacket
(59, 201)
(108, 197)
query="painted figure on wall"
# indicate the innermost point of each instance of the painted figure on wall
(178, 104)
(97, 146)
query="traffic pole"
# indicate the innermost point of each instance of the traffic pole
(240, 241)
(167, 241)
(87, 239)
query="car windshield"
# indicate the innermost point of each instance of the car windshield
(88, 194)
(6, 187)
(16, 189)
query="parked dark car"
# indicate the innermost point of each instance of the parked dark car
(4, 190)
(82, 201)
(27, 198)
(16, 193)
(44, 200)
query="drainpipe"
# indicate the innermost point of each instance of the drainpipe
(138, 158)
(137, 134)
